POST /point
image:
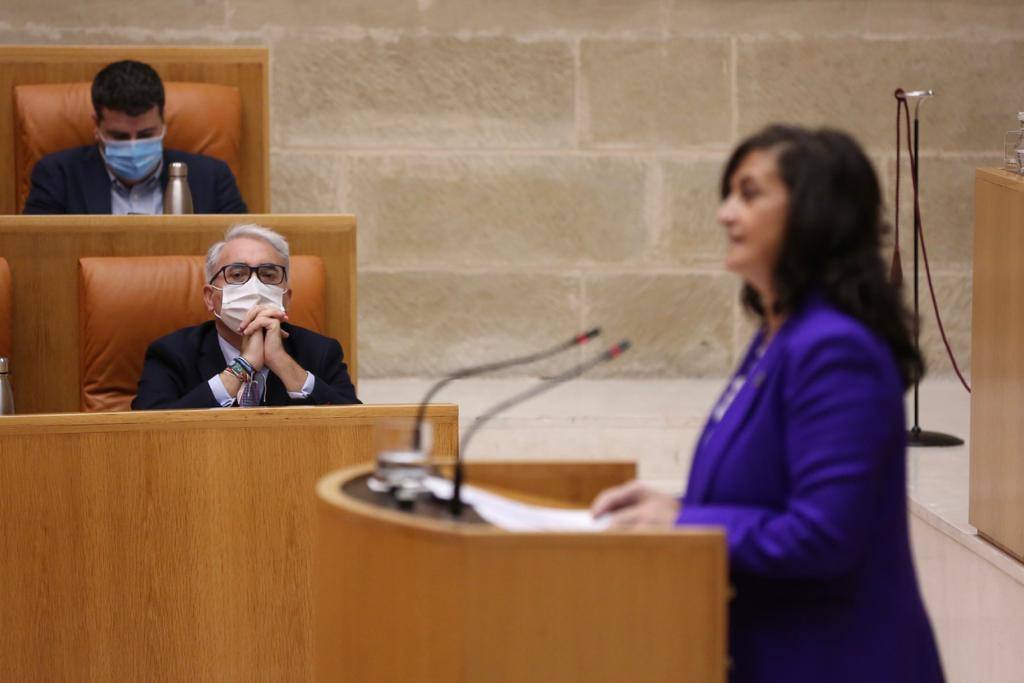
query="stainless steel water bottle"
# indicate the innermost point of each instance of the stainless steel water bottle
(177, 196)
(6, 397)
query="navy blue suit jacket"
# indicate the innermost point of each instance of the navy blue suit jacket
(179, 365)
(806, 472)
(76, 181)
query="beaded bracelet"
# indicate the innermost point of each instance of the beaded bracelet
(245, 364)
(241, 369)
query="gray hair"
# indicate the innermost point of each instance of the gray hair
(252, 231)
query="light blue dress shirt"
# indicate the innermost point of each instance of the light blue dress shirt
(145, 197)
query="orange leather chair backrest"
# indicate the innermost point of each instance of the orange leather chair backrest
(202, 118)
(6, 312)
(126, 303)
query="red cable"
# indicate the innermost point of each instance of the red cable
(901, 102)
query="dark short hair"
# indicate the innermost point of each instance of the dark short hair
(833, 234)
(127, 86)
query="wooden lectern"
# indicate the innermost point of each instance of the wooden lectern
(404, 597)
(997, 361)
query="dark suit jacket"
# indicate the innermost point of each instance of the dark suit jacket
(179, 365)
(806, 472)
(76, 181)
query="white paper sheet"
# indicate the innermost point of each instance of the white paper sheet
(512, 515)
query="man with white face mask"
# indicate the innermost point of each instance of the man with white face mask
(126, 171)
(248, 354)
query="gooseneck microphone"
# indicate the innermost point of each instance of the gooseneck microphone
(455, 504)
(421, 411)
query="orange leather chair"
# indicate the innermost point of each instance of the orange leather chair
(6, 312)
(126, 303)
(202, 118)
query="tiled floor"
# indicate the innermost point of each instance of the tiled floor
(938, 478)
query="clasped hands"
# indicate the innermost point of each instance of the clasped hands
(636, 506)
(262, 345)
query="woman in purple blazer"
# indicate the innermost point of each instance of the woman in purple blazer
(803, 459)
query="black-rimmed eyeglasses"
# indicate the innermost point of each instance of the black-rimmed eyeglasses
(239, 273)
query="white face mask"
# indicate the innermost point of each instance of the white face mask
(237, 300)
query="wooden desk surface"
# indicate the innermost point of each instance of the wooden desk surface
(170, 545)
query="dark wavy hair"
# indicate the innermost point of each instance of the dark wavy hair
(127, 86)
(833, 235)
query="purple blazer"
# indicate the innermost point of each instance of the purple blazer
(806, 472)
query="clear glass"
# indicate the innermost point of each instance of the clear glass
(1013, 148)
(399, 464)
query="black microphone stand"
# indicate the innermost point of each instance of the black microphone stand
(917, 436)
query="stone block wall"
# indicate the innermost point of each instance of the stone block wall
(522, 170)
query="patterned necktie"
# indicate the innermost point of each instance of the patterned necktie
(251, 392)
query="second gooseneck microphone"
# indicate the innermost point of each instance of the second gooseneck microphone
(455, 504)
(492, 367)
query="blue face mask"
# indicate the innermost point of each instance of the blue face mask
(133, 160)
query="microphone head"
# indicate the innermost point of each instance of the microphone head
(588, 335)
(618, 349)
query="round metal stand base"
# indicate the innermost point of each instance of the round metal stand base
(920, 437)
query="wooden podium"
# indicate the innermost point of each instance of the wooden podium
(170, 546)
(403, 597)
(997, 361)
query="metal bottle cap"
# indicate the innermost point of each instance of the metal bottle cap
(177, 169)
(4, 365)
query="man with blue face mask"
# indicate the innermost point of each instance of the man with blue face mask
(248, 354)
(126, 171)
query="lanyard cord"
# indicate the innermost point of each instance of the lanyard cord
(901, 104)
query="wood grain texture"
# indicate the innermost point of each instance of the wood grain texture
(997, 364)
(43, 253)
(246, 68)
(559, 480)
(170, 546)
(408, 599)
(5, 308)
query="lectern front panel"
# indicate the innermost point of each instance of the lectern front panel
(402, 597)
